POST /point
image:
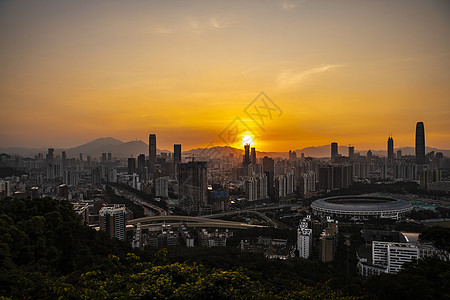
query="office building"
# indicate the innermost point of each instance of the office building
(192, 182)
(131, 165)
(420, 144)
(351, 152)
(152, 151)
(390, 150)
(50, 155)
(176, 156)
(334, 151)
(253, 156)
(246, 161)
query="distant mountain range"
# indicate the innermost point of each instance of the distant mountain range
(118, 148)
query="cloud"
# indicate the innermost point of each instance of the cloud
(218, 24)
(289, 78)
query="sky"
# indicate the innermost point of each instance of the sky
(350, 71)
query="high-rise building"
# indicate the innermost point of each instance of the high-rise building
(269, 170)
(399, 154)
(50, 154)
(152, 151)
(176, 158)
(292, 155)
(103, 157)
(351, 152)
(112, 220)
(131, 165)
(390, 150)
(141, 162)
(334, 151)
(304, 239)
(192, 182)
(420, 144)
(109, 156)
(253, 156)
(246, 161)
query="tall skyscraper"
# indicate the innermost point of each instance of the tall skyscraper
(50, 154)
(269, 170)
(351, 151)
(176, 157)
(131, 165)
(152, 151)
(253, 156)
(112, 220)
(420, 144)
(390, 150)
(141, 162)
(193, 186)
(246, 155)
(334, 151)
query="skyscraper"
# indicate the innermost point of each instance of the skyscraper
(420, 144)
(50, 154)
(269, 170)
(246, 155)
(131, 165)
(176, 157)
(253, 156)
(334, 151)
(390, 150)
(351, 152)
(141, 162)
(152, 151)
(193, 187)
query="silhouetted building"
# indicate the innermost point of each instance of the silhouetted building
(335, 176)
(141, 161)
(246, 161)
(292, 155)
(420, 144)
(399, 154)
(50, 154)
(334, 151)
(131, 165)
(351, 152)
(269, 170)
(390, 150)
(192, 182)
(152, 151)
(103, 157)
(253, 156)
(176, 156)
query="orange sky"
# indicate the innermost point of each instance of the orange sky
(345, 71)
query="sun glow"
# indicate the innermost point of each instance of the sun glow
(247, 139)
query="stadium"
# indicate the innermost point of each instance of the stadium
(362, 207)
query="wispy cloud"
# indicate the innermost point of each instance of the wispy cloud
(290, 78)
(219, 23)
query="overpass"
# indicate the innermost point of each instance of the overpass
(246, 211)
(191, 222)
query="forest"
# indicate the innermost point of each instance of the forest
(47, 253)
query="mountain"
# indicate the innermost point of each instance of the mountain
(321, 151)
(118, 148)
(94, 147)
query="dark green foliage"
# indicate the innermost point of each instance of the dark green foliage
(7, 171)
(46, 253)
(439, 237)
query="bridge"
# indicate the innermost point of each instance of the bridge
(191, 222)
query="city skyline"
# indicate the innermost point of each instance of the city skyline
(349, 72)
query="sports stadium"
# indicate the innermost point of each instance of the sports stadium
(362, 207)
